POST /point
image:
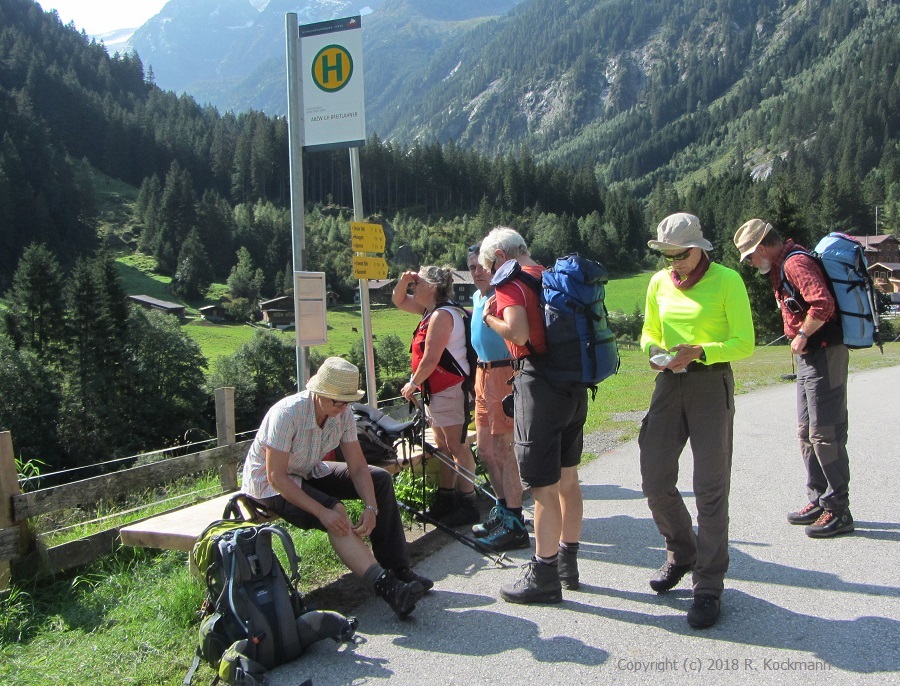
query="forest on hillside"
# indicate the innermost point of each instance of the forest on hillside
(213, 206)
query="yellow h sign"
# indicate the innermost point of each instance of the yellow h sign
(332, 68)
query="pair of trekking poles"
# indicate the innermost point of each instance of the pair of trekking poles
(412, 431)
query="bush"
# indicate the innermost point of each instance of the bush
(627, 326)
(239, 309)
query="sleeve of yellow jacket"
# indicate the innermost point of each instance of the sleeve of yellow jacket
(715, 314)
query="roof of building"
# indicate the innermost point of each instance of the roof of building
(156, 302)
(273, 303)
(378, 284)
(874, 241)
(462, 276)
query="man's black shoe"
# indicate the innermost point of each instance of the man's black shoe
(831, 524)
(539, 584)
(402, 597)
(704, 612)
(807, 515)
(668, 576)
(406, 575)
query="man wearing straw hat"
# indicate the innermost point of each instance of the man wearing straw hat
(812, 323)
(284, 471)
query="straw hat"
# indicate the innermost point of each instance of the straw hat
(679, 230)
(336, 379)
(749, 236)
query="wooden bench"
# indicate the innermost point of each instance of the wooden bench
(176, 529)
(179, 529)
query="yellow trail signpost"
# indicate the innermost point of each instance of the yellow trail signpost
(367, 237)
(369, 267)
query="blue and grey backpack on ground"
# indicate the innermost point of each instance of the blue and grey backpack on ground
(253, 617)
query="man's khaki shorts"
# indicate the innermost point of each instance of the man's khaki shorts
(491, 386)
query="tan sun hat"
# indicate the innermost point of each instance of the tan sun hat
(336, 379)
(749, 236)
(679, 230)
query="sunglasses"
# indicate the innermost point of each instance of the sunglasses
(680, 256)
(474, 248)
(339, 403)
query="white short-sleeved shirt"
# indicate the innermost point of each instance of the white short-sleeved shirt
(290, 426)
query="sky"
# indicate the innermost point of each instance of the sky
(101, 16)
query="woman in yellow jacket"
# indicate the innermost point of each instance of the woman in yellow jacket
(697, 320)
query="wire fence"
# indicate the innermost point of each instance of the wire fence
(146, 458)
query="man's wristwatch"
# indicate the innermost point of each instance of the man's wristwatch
(374, 509)
(802, 334)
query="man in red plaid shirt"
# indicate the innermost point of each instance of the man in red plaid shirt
(812, 323)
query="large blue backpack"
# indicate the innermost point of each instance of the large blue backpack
(581, 348)
(254, 617)
(845, 266)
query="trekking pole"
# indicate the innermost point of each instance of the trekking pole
(500, 559)
(459, 470)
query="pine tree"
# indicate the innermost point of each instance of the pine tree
(177, 216)
(245, 281)
(36, 303)
(194, 274)
(94, 364)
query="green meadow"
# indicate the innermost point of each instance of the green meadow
(344, 321)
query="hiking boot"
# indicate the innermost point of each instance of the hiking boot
(402, 597)
(441, 504)
(831, 524)
(568, 569)
(539, 584)
(807, 515)
(406, 575)
(494, 520)
(510, 535)
(668, 576)
(465, 512)
(704, 612)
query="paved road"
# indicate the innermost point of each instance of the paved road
(795, 610)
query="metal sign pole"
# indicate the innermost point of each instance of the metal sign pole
(368, 348)
(295, 138)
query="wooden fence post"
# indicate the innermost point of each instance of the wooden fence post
(9, 486)
(225, 434)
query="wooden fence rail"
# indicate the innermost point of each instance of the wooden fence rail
(22, 553)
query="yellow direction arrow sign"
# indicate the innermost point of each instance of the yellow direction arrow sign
(369, 267)
(367, 237)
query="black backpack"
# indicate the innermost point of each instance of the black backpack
(449, 363)
(471, 356)
(254, 617)
(377, 446)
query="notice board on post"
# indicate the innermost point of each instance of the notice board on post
(309, 303)
(334, 106)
